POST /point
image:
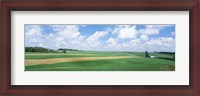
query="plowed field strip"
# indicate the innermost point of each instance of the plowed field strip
(59, 60)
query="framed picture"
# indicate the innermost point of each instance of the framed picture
(99, 47)
(120, 47)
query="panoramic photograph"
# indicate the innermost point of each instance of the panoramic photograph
(99, 47)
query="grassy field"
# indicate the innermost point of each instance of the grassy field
(98, 61)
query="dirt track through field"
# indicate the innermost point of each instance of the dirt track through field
(59, 60)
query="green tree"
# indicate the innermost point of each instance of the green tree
(64, 51)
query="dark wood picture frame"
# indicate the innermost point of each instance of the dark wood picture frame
(99, 5)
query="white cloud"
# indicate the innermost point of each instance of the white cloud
(144, 37)
(121, 38)
(172, 33)
(149, 31)
(154, 44)
(152, 29)
(96, 36)
(161, 44)
(111, 40)
(113, 47)
(132, 43)
(66, 31)
(158, 26)
(33, 35)
(41, 45)
(94, 39)
(33, 30)
(161, 41)
(125, 31)
(66, 36)
(113, 44)
(138, 40)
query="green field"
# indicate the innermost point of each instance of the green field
(94, 61)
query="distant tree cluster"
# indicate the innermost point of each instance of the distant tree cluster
(41, 49)
(166, 52)
(36, 49)
(68, 49)
(170, 53)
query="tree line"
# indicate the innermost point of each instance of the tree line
(36, 49)
(166, 52)
(68, 49)
(41, 49)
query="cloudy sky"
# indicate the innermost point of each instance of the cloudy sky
(102, 37)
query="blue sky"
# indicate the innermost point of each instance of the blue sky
(102, 37)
